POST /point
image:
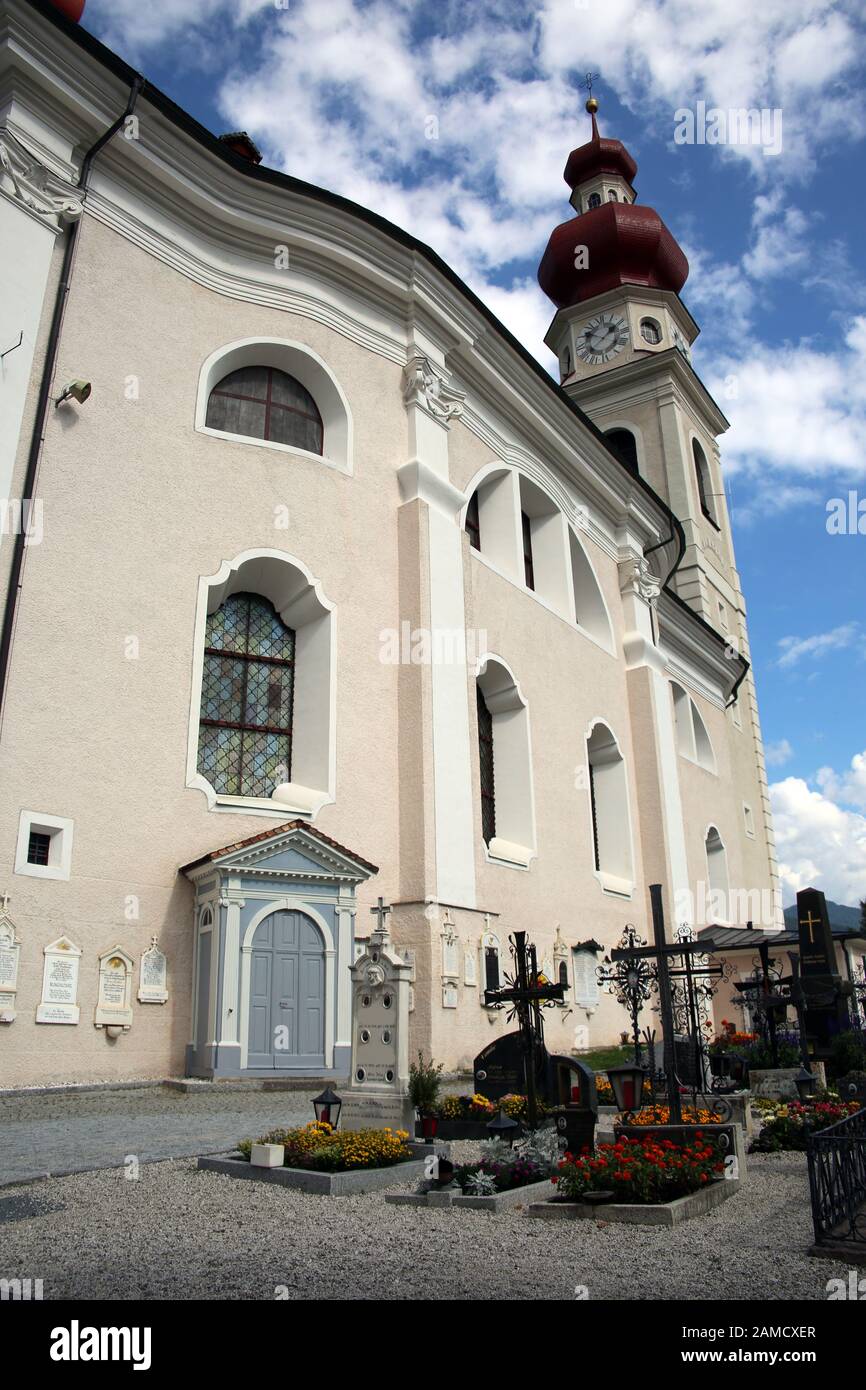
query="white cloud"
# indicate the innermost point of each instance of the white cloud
(775, 754)
(794, 409)
(848, 789)
(819, 844)
(780, 246)
(795, 649)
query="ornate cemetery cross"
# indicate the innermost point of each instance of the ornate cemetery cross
(661, 952)
(692, 986)
(526, 995)
(630, 980)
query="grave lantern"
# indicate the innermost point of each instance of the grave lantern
(503, 1127)
(627, 1085)
(327, 1107)
(805, 1083)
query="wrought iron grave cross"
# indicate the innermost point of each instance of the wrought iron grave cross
(526, 995)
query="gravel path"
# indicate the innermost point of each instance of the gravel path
(178, 1233)
(74, 1132)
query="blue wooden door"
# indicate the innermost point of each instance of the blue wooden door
(287, 993)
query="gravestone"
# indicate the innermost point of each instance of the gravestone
(114, 1002)
(153, 975)
(10, 950)
(499, 1069)
(824, 991)
(377, 1095)
(571, 1083)
(59, 1002)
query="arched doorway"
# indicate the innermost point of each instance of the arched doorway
(287, 993)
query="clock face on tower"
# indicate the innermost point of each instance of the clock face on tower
(602, 338)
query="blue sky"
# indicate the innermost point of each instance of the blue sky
(455, 122)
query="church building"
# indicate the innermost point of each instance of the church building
(317, 588)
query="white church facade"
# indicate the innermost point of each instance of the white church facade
(317, 588)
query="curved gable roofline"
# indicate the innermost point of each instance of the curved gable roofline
(260, 172)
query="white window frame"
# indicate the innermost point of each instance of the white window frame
(307, 367)
(619, 885)
(514, 845)
(297, 596)
(59, 828)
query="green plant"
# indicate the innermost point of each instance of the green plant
(319, 1147)
(425, 1078)
(848, 1053)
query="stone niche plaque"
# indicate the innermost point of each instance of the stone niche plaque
(378, 1090)
(114, 1001)
(153, 975)
(59, 1002)
(10, 949)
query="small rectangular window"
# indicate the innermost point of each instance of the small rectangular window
(749, 820)
(38, 847)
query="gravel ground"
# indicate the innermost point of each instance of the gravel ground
(178, 1233)
(64, 1132)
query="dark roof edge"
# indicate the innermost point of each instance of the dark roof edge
(176, 114)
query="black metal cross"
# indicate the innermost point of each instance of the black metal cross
(526, 994)
(661, 952)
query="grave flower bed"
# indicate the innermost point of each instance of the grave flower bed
(787, 1125)
(475, 1107)
(640, 1171)
(321, 1149)
(660, 1115)
(502, 1168)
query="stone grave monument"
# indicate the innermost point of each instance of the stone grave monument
(378, 1091)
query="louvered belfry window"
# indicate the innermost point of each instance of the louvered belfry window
(265, 403)
(245, 734)
(485, 758)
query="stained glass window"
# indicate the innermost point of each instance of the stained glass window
(265, 403)
(485, 758)
(245, 734)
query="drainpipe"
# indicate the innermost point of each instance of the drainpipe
(44, 399)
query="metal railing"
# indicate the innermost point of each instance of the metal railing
(837, 1181)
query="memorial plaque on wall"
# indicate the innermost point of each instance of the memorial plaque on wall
(114, 1005)
(60, 983)
(153, 976)
(10, 950)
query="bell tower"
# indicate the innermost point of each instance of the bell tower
(623, 338)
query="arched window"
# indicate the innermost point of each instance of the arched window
(717, 876)
(608, 796)
(485, 762)
(526, 533)
(650, 331)
(594, 200)
(704, 482)
(693, 740)
(611, 197)
(490, 963)
(245, 733)
(507, 808)
(266, 403)
(473, 522)
(624, 445)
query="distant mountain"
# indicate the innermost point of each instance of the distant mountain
(840, 915)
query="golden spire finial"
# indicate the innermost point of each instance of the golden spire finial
(591, 101)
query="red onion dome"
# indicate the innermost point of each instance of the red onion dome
(627, 244)
(599, 157)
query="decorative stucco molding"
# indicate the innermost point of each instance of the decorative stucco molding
(636, 577)
(35, 186)
(424, 385)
